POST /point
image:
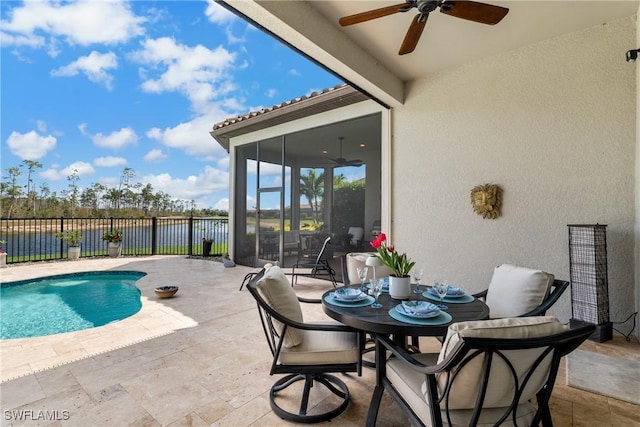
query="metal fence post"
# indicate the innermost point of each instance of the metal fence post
(154, 235)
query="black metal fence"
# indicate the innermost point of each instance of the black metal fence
(35, 239)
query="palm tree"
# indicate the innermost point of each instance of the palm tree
(312, 187)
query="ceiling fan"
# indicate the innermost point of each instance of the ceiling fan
(469, 10)
(341, 161)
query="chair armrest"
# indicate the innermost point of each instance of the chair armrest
(481, 294)
(405, 357)
(558, 287)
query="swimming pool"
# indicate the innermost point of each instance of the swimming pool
(67, 302)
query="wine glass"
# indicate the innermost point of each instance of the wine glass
(441, 289)
(376, 288)
(362, 275)
(417, 276)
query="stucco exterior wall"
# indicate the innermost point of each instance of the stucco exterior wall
(554, 125)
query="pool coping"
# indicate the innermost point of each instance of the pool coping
(20, 357)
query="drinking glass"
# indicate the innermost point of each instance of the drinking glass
(417, 276)
(376, 288)
(362, 275)
(441, 289)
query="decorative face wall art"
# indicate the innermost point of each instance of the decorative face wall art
(487, 200)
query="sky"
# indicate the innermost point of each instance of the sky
(97, 86)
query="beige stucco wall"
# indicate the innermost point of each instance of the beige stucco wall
(554, 125)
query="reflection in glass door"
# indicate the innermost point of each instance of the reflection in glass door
(269, 220)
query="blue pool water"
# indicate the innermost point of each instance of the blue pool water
(67, 302)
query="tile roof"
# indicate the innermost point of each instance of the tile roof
(252, 114)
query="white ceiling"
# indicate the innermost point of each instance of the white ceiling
(449, 42)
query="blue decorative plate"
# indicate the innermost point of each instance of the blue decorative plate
(363, 303)
(441, 319)
(423, 315)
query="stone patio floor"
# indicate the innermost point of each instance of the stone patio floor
(197, 359)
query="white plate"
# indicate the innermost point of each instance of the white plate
(400, 309)
(358, 299)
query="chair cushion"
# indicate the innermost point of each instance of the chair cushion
(499, 393)
(409, 386)
(357, 260)
(514, 291)
(357, 233)
(275, 288)
(323, 347)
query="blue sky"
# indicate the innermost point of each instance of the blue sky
(96, 86)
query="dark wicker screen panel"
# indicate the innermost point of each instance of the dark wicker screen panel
(589, 283)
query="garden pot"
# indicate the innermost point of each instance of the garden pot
(73, 252)
(114, 249)
(399, 287)
(206, 247)
(3, 259)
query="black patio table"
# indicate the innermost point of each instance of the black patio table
(378, 320)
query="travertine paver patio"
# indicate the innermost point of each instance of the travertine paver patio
(197, 359)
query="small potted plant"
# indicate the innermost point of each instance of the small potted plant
(113, 238)
(73, 238)
(207, 242)
(399, 281)
(3, 254)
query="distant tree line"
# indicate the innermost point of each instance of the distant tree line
(22, 197)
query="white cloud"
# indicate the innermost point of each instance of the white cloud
(116, 139)
(294, 72)
(193, 187)
(223, 204)
(218, 14)
(155, 155)
(94, 66)
(201, 74)
(30, 145)
(109, 161)
(76, 23)
(271, 93)
(193, 137)
(55, 174)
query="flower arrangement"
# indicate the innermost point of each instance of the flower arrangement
(113, 236)
(73, 237)
(399, 263)
(2, 242)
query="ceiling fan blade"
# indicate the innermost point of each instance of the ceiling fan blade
(373, 14)
(413, 34)
(474, 11)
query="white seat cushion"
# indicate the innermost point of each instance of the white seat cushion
(275, 288)
(357, 233)
(463, 392)
(323, 347)
(409, 384)
(514, 291)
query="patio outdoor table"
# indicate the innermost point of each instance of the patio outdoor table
(378, 320)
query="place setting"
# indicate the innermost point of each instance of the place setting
(442, 292)
(349, 297)
(419, 313)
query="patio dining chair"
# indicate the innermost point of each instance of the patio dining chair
(521, 292)
(487, 373)
(306, 352)
(315, 265)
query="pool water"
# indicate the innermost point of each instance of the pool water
(68, 302)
